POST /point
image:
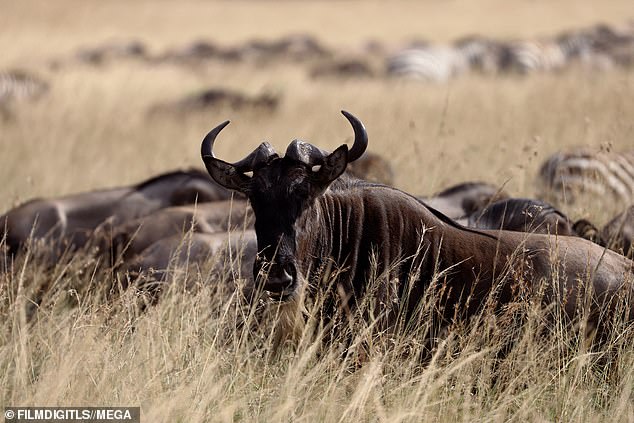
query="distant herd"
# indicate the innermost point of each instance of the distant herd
(287, 223)
(600, 47)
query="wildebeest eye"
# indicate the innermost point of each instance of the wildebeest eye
(316, 168)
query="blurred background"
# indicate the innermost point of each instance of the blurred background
(97, 94)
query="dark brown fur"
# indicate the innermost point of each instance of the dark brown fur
(180, 250)
(69, 222)
(310, 219)
(618, 233)
(523, 215)
(132, 237)
(350, 225)
(464, 199)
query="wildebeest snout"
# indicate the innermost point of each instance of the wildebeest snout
(277, 276)
(280, 281)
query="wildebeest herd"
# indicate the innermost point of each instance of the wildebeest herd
(597, 48)
(307, 221)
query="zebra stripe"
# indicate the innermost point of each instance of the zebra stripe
(481, 54)
(433, 64)
(564, 175)
(536, 56)
(19, 85)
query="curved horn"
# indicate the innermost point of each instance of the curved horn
(259, 155)
(207, 147)
(360, 137)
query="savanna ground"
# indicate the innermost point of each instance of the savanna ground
(184, 359)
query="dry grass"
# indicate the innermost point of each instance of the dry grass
(206, 355)
(181, 360)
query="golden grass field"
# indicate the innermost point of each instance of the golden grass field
(183, 359)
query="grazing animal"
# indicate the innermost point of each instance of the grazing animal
(309, 218)
(526, 57)
(348, 68)
(201, 50)
(569, 177)
(295, 47)
(194, 249)
(586, 229)
(133, 236)
(522, 215)
(618, 233)
(112, 51)
(372, 168)
(215, 98)
(465, 199)
(482, 54)
(18, 85)
(71, 220)
(430, 63)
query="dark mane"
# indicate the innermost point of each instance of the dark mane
(191, 173)
(462, 187)
(519, 205)
(347, 181)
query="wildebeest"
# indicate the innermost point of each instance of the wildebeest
(133, 236)
(463, 200)
(372, 168)
(309, 218)
(201, 50)
(227, 247)
(523, 215)
(618, 233)
(133, 49)
(348, 68)
(214, 98)
(586, 229)
(71, 220)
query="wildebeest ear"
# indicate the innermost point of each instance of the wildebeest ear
(226, 174)
(333, 166)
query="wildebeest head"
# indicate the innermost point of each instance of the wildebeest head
(280, 189)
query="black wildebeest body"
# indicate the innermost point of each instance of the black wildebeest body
(307, 220)
(523, 215)
(178, 250)
(73, 218)
(618, 233)
(132, 237)
(352, 224)
(460, 201)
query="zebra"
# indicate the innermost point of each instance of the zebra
(18, 85)
(527, 56)
(567, 176)
(482, 54)
(428, 63)
(601, 47)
